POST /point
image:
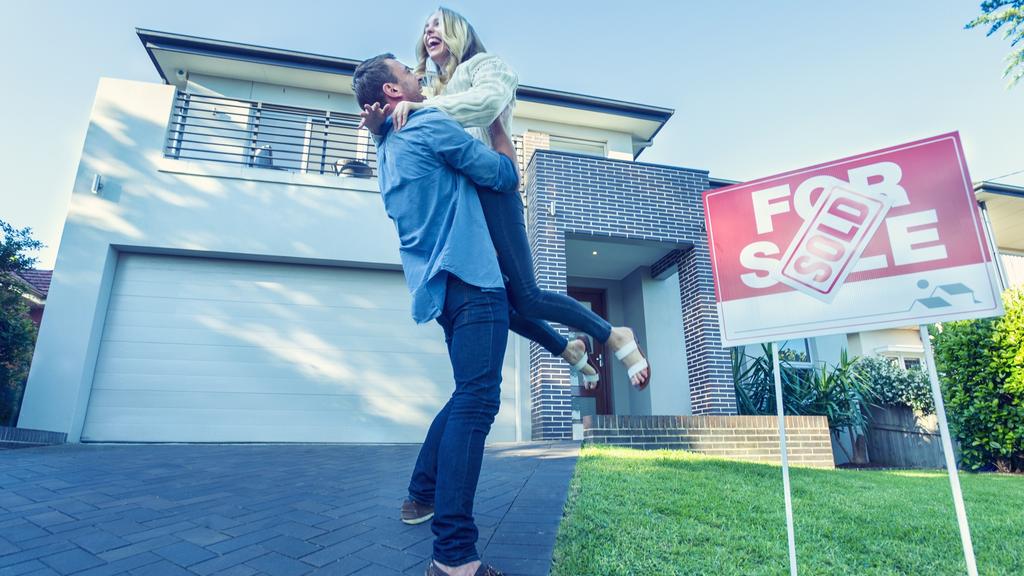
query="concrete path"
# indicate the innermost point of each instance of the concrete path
(259, 509)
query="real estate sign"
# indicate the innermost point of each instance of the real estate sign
(883, 239)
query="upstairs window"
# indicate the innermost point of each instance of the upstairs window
(579, 145)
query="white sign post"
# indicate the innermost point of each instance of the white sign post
(790, 532)
(886, 239)
(947, 450)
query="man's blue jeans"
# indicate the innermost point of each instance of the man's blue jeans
(475, 325)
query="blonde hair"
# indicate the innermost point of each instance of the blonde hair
(462, 42)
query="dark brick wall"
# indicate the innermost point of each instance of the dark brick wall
(605, 198)
(753, 438)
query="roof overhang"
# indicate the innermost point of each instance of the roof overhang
(1005, 206)
(172, 53)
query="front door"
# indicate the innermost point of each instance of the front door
(594, 299)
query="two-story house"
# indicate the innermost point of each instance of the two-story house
(227, 272)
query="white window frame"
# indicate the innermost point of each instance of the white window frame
(901, 353)
(581, 142)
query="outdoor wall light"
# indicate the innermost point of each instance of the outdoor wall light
(97, 184)
(594, 252)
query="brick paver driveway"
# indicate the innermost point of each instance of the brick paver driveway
(259, 509)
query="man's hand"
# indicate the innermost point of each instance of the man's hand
(402, 110)
(373, 117)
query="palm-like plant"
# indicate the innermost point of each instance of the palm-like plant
(754, 378)
(839, 392)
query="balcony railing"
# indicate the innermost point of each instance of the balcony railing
(269, 136)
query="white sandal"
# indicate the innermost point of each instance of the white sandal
(634, 368)
(588, 379)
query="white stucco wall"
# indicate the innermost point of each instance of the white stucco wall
(618, 142)
(634, 316)
(153, 204)
(829, 348)
(891, 341)
(666, 346)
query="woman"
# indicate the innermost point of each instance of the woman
(476, 88)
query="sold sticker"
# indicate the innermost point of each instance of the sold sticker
(829, 243)
(882, 239)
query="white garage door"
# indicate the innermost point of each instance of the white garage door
(205, 350)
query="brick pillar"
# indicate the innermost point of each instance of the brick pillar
(531, 142)
(550, 384)
(708, 363)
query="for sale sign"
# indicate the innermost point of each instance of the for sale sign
(883, 239)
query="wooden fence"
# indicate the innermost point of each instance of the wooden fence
(899, 438)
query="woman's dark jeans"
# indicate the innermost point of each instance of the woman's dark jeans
(476, 324)
(537, 330)
(504, 215)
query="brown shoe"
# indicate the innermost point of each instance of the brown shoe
(484, 570)
(415, 513)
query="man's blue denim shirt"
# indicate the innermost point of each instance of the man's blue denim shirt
(428, 173)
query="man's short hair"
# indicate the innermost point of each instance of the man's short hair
(369, 79)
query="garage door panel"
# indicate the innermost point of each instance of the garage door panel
(271, 334)
(400, 424)
(347, 293)
(300, 364)
(414, 385)
(213, 350)
(269, 339)
(190, 351)
(253, 407)
(211, 271)
(271, 385)
(145, 311)
(266, 432)
(326, 360)
(197, 425)
(142, 428)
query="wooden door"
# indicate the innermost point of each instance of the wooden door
(594, 299)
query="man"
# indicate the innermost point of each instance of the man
(428, 173)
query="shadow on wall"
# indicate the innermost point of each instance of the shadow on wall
(125, 145)
(232, 336)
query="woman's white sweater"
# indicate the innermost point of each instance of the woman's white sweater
(482, 89)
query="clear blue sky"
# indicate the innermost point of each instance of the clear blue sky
(758, 87)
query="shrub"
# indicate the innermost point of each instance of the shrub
(17, 337)
(894, 386)
(981, 367)
(17, 332)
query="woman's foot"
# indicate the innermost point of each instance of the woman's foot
(575, 350)
(622, 338)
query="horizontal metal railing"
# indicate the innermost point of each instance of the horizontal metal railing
(270, 136)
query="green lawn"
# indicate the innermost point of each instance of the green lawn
(667, 512)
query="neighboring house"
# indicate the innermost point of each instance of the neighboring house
(228, 272)
(1002, 207)
(37, 283)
